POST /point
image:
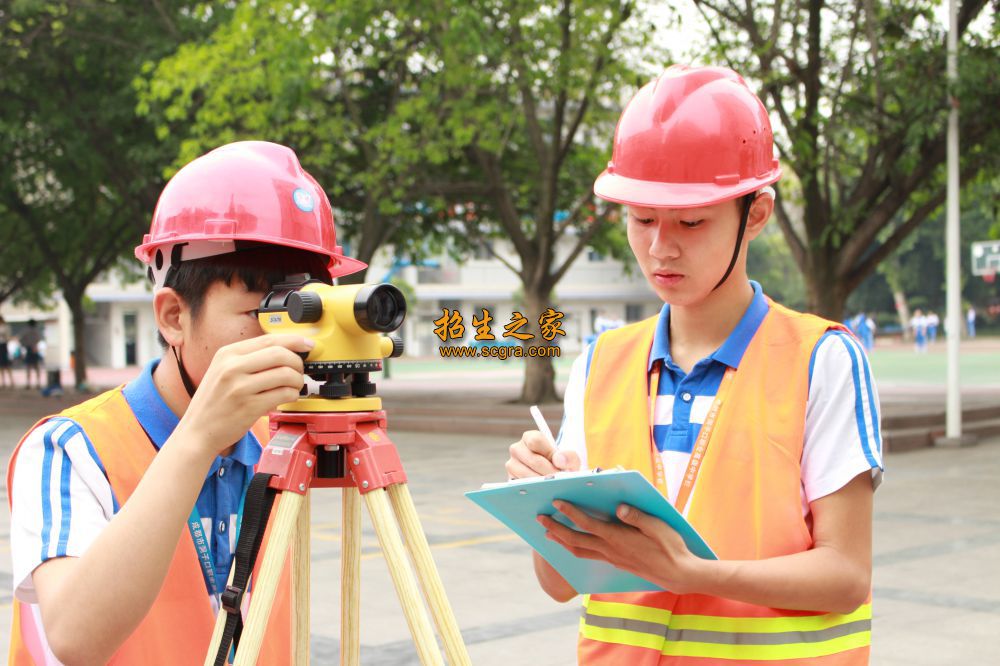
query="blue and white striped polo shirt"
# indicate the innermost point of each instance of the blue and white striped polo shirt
(842, 436)
(62, 497)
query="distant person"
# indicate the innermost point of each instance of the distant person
(604, 323)
(933, 321)
(863, 327)
(970, 321)
(6, 376)
(918, 324)
(30, 339)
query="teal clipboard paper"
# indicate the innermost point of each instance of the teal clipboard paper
(517, 503)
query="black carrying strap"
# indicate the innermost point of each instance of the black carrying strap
(256, 511)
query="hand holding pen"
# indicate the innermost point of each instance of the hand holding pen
(536, 453)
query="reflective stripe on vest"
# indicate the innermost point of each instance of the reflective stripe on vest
(178, 628)
(746, 503)
(726, 637)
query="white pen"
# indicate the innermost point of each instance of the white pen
(536, 414)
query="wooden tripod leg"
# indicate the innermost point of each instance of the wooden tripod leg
(220, 627)
(350, 579)
(430, 580)
(403, 578)
(266, 584)
(301, 585)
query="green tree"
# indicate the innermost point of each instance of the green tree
(531, 93)
(22, 270)
(404, 111)
(81, 171)
(859, 89)
(341, 82)
(914, 275)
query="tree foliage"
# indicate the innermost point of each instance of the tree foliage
(404, 112)
(342, 83)
(81, 171)
(916, 271)
(860, 94)
(531, 93)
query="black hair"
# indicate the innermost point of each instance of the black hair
(257, 268)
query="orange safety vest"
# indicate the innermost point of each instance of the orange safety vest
(178, 627)
(746, 503)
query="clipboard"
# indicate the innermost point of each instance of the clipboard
(517, 503)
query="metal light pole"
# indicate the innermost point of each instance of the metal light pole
(953, 429)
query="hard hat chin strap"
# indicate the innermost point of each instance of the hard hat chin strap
(744, 216)
(185, 377)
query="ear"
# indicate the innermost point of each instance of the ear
(172, 315)
(760, 213)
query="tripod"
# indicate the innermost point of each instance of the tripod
(341, 443)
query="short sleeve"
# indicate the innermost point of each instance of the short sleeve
(60, 500)
(572, 436)
(843, 419)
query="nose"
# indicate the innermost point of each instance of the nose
(664, 245)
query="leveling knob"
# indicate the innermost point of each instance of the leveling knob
(305, 307)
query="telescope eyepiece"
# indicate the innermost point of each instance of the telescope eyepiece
(379, 308)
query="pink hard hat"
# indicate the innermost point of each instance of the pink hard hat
(695, 136)
(244, 193)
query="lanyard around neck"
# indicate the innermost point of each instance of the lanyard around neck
(700, 446)
(202, 545)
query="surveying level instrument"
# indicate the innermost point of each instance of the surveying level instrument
(333, 439)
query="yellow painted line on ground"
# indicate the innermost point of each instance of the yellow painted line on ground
(452, 521)
(493, 538)
(506, 536)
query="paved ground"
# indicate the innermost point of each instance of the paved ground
(937, 545)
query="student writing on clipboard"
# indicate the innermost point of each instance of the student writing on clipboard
(760, 424)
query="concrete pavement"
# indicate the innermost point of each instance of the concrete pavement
(937, 545)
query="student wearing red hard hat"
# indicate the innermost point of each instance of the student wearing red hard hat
(125, 508)
(759, 423)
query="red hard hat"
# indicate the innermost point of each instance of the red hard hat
(249, 191)
(696, 136)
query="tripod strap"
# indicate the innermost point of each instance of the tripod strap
(257, 510)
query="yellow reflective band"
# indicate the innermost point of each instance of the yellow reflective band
(622, 637)
(768, 652)
(725, 624)
(750, 638)
(768, 624)
(628, 611)
(726, 650)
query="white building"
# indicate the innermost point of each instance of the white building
(121, 330)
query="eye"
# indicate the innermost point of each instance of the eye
(252, 313)
(642, 220)
(691, 224)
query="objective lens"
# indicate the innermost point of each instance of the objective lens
(379, 308)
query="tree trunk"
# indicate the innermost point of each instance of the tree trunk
(827, 294)
(903, 310)
(79, 349)
(539, 374)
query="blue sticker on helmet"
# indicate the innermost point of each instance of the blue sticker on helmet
(303, 200)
